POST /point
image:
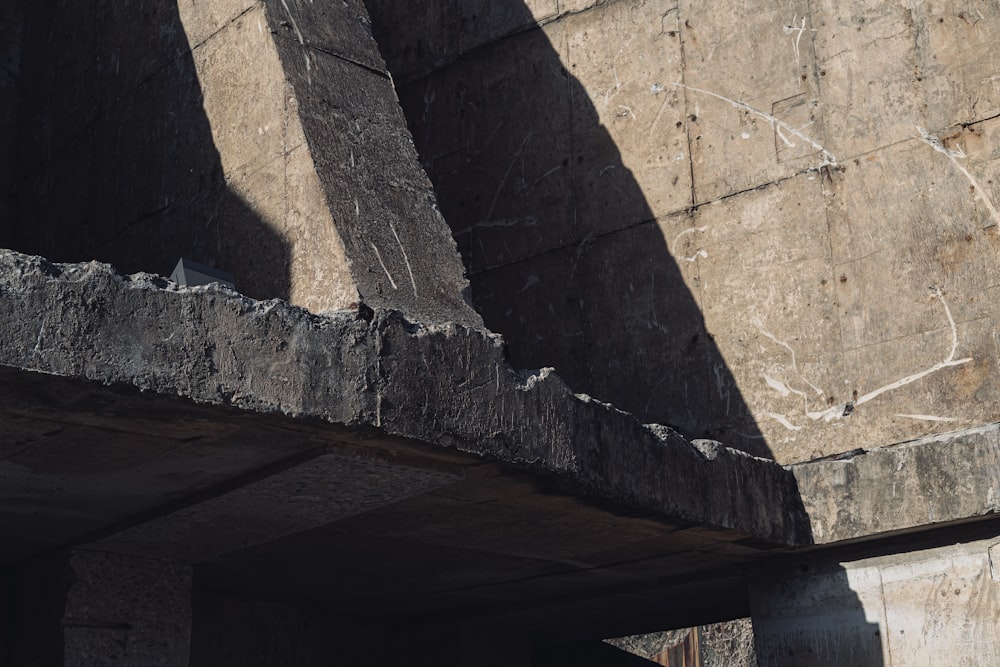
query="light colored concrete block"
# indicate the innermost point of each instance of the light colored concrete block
(203, 19)
(630, 148)
(243, 86)
(743, 68)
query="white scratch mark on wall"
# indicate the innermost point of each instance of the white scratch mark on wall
(781, 387)
(295, 25)
(689, 230)
(798, 30)
(927, 418)
(625, 112)
(384, 268)
(506, 175)
(694, 257)
(776, 123)
(953, 154)
(838, 411)
(785, 140)
(795, 365)
(949, 360)
(783, 420)
(720, 384)
(406, 259)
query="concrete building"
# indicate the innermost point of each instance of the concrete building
(554, 322)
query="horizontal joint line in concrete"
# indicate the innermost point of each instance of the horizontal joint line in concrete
(348, 59)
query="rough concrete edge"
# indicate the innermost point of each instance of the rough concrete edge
(446, 384)
(928, 482)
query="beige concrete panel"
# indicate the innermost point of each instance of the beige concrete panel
(244, 92)
(321, 278)
(768, 301)
(941, 607)
(572, 6)
(745, 70)
(631, 153)
(904, 222)
(203, 18)
(958, 60)
(914, 386)
(867, 68)
(401, 250)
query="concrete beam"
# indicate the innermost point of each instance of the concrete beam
(911, 486)
(443, 384)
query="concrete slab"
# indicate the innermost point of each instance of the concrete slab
(349, 370)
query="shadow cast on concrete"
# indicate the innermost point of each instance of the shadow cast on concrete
(116, 160)
(565, 256)
(812, 617)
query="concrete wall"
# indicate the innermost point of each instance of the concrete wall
(262, 138)
(770, 223)
(933, 607)
(11, 21)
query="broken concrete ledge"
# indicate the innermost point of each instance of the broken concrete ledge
(443, 384)
(936, 481)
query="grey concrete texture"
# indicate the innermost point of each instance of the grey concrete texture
(924, 607)
(443, 384)
(810, 188)
(215, 141)
(126, 611)
(11, 25)
(928, 482)
(326, 489)
(383, 204)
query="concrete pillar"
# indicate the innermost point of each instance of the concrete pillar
(10, 65)
(89, 608)
(932, 607)
(122, 610)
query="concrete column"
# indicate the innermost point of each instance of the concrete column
(932, 607)
(122, 610)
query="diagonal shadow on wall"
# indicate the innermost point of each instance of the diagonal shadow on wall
(566, 257)
(116, 160)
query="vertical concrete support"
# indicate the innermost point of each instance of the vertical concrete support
(263, 138)
(123, 611)
(932, 607)
(10, 66)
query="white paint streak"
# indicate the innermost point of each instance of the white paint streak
(406, 259)
(506, 175)
(927, 418)
(953, 155)
(295, 25)
(777, 385)
(839, 411)
(798, 29)
(795, 365)
(783, 420)
(384, 268)
(689, 230)
(949, 360)
(776, 123)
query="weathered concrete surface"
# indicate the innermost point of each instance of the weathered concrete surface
(444, 384)
(126, 611)
(929, 482)
(787, 209)
(931, 607)
(11, 24)
(258, 470)
(263, 138)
